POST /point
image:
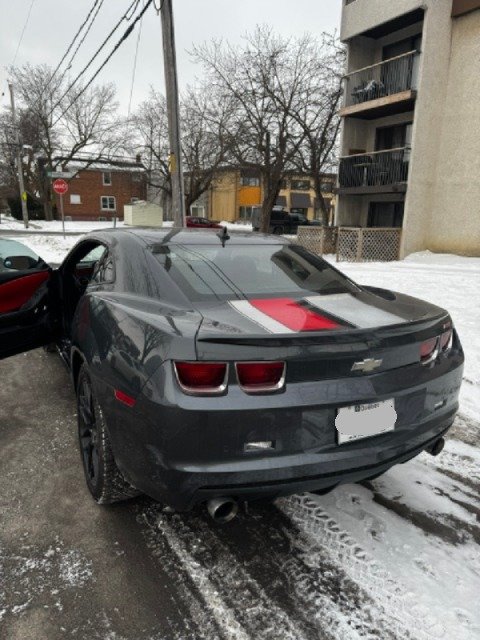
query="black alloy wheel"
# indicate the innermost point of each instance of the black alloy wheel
(87, 432)
(104, 479)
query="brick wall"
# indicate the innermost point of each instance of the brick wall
(89, 186)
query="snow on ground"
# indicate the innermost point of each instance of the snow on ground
(52, 249)
(8, 222)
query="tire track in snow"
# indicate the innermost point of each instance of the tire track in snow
(305, 577)
(259, 577)
(240, 607)
(206, 627)
(404, 609)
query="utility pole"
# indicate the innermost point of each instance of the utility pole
(23, 193)
(171, 82)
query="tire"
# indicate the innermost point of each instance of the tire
(104, 479)
(278, 230)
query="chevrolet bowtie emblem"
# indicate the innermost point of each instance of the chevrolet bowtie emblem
(367, 365)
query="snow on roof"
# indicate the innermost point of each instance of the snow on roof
(100, 164)
(83, 165)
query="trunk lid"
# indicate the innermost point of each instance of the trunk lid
(321, 337)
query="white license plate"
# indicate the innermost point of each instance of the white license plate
(365, 420)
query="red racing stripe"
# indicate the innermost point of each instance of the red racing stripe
(292, 315)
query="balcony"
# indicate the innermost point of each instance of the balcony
(375, 172)
(381, 89)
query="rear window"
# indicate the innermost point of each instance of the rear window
(205, 272)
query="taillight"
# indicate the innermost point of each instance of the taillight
(428, 350)
(202, 378)
(446, 340)
(260, 377)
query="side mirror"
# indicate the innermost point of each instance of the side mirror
(20, 263)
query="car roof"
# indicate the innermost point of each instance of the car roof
(172, 235)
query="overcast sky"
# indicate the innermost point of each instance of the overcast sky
(53, 23)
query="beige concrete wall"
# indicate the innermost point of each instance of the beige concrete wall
(362, 15)
(427, 125)
(454, 221)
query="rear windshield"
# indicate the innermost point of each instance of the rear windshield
(205, 272)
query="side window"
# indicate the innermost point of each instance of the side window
(105, 270)
(15, 256)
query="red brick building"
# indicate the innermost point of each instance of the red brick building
(101, 189)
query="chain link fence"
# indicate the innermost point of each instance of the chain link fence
(378, 244)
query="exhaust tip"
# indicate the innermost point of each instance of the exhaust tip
(436, 447)
(222, 510)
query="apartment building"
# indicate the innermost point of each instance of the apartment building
(236, 191)
(411, 122)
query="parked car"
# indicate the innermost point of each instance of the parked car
(221, 368)
(201, 223)
(281, 221)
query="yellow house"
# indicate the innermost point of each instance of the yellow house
(235, 192)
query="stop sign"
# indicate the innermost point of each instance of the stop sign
(60, 186)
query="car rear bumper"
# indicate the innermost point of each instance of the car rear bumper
(182, 452)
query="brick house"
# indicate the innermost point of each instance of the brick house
(99, 190)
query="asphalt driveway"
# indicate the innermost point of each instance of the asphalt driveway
(397, 558)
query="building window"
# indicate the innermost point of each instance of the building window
(107, 178)
(249, 181)
(300, 185)
(245, 213)
(75, 199)
(197, 210)
(283, 185)
(108, 203)
(327, 187)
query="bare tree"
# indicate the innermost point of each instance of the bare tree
(63, 121)
(150, 124)
(205, 141)
(264, 78)
(286, 93)
(317, 113)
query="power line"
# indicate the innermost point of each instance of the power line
(23, 32)
(105, 62)
(70, 46)
(134, 67)
(125, 16)
(20, 40)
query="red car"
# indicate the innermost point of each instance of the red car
(202, 223)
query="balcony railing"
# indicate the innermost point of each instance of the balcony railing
(380, 80)
(375, 169)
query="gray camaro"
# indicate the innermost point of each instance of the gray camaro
(215, 368)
